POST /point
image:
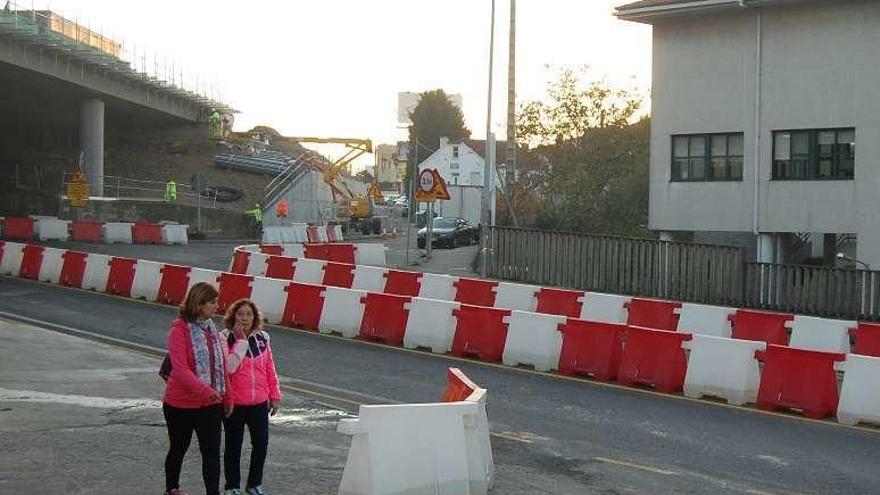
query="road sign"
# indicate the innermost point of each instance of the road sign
(431, 187)
(78, 187)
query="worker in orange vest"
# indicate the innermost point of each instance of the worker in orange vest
(281, 209)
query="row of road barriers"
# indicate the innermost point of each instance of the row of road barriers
(45, 228)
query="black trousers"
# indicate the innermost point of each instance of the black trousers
(181, 423)
(257, 420)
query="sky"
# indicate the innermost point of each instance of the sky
(333, 68)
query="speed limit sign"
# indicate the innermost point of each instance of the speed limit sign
(426, 181)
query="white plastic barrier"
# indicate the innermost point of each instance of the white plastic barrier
(52, 229)
(369, 254)
(337, 229)
(117, 232)
(343, 311)
(173, 233)
(821, 334)
(608, 308)
(257, 264)
(415, 449)
(147, 278)
(516, 296)
(369, 278)
(705, 320)
(308, 271)
(197, 275)
(50, 268)
(271, 235)
(430, 324)
(293, 250)
(440, 287)
(97, 272)
(859, 400)
(13, 254)
(322, 234)
(723, 367)
(270, 296)
(533, 338)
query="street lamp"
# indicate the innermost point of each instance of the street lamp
(485, 214)
(843, 256)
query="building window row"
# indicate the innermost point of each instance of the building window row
(707, 157)
(814, 154)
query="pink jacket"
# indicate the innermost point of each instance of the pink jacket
(184, 388)
(251, 369)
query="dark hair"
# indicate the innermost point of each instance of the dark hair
(199, 294)
(229, 319)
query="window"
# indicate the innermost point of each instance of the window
(454, 165)
(707, 157)
(817, 154)
(455, 152)
(455, 178)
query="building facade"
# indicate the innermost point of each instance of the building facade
(766, 122)
(460, 165)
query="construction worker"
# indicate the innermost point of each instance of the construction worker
(214, 123)
(257, 213)
(170, 191)
(281, 209)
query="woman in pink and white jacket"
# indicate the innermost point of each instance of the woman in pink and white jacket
(253, 389)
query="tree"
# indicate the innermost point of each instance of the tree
(435, 116)
(587, 168)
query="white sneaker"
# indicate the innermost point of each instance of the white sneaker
(256, 490)
(232, 491)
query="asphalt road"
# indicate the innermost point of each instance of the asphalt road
(550, 435)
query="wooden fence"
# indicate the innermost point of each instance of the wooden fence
(700, 273)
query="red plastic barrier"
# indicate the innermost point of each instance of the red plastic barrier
(316, 252)
(340, 253)
(798, 379)
(232, 287)
(304, 306)
(384, 318)
(653, 313)
(312, 233)
(475, 292)
(240, 261)
(338, 274)
(655, 358)
(867, 337)
(458, 386)
(146, 233)
(272, 249)
(31, 261)
(331, 234)
(86, 231)
(280, 267)
(121, 276)
(761, 326)
(18, 228)
(480, 331)
(172, 288)
(591, 348)
(560, 302)
(73, 269)
(402, 283)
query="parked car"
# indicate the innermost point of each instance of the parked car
(449, 232)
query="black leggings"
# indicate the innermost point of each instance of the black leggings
(181, 423)
(257, 420)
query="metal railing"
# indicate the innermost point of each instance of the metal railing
(79, 39)
(127, 188)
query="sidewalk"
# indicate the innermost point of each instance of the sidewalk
(82, 417)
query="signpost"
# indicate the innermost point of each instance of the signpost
(78, 187)
(431, 188)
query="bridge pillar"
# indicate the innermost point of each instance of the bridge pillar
(91, 139)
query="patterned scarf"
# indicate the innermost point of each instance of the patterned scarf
(198, 333)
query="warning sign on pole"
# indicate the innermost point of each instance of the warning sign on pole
(431, 187)
(78, 187)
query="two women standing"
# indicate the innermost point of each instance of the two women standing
(217, 377)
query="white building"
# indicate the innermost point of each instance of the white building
(460, 165)
(766, 123)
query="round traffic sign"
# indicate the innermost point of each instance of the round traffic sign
(426, 181)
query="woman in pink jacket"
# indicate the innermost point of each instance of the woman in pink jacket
(196, 396)
(253, 389)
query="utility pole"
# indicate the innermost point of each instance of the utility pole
(510, 176)
(487, 168)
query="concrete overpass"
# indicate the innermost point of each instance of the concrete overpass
(63, 84)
